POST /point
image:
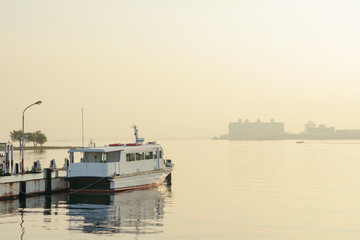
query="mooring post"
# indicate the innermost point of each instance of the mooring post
(47, 175)
(22, 190)
(47, 206)
(12, 158)
(22, 202)
(168, 180)
(16, 170)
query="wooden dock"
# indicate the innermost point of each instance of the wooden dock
(19, 186)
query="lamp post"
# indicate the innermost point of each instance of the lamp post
(22, 140)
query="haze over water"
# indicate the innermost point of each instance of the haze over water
(220, 190)
(184, 70)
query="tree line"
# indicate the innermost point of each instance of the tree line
(37, 138)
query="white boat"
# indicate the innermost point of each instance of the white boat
(118, 167)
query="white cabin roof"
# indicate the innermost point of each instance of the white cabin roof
(99, 149)
(106, 149)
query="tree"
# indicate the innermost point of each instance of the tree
(30, 137)
(36, 137)
(16, 136)
(39, 138)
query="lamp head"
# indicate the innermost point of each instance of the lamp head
(38, 102)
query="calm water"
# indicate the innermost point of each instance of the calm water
(220, 190)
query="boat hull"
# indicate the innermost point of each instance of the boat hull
(126, 182)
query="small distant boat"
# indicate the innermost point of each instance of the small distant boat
(118, 167)
(299, 141)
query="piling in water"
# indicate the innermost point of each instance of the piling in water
(22, 189)
(168, 180)
(47, 175)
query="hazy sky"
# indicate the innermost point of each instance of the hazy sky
(177, 69)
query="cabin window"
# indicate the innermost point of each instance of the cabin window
(130, 157)
(155, 155)
(149, 155)
(103, 157)
(92, 157)
(113, 156)
(140, 156)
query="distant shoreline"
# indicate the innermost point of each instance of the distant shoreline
(44, 147)
(288, 138)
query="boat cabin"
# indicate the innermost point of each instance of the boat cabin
(112, 161)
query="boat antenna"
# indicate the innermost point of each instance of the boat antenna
(82, 126)
(137, 139)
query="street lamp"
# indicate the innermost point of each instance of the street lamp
(22, 140)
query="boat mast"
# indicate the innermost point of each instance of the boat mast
(137, 139)
(82, 126)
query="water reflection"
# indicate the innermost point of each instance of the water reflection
(135, 212)
(19, 215)
(47, 204)
(132, 213)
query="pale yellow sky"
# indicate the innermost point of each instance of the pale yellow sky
(178, 69)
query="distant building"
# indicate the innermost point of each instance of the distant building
(309, 125)
(312, 130)
(322, 132)
(245, 130)
(348, 134)
(256, 130)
